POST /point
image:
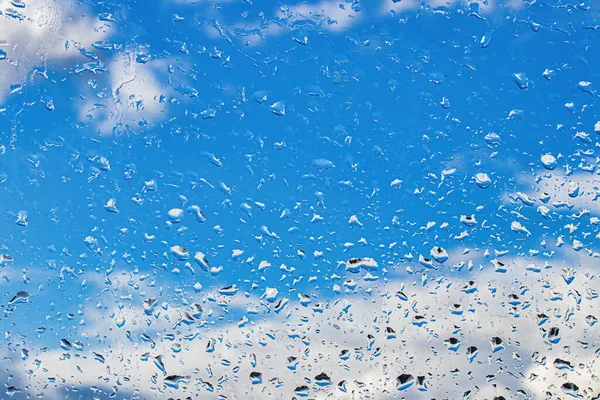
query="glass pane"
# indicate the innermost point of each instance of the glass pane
(332, 200)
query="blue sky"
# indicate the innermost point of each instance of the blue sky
(280, 141)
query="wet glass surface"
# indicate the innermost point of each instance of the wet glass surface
(323, 200)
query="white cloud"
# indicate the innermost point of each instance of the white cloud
(411, 5)
(135, 96)
(334, 16)
(345, 324)
(560, 192)
(56, 31)
(39, 34)
(330, 15)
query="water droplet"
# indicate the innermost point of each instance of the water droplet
(521, 80)
(439, 254)
(180, 253)
(322, 379)
(483, 180)
(149, 305)
(497, 344)
(568, 274)
(229, 290)
(22, 218)
(554, 335)
(549, 161)
(355, 264)
(20, 297)
(573, 189)
(404, 381)
(571, 389)
(278, 108)
(111, 206)
(65, 344)
(468, 220)
(445, 103)
(98, 357)
(302, 390)
(422, 384)
(255, 378)
(516, 226)
(271, 294)
(175, 215)
(322, 164)
(173, 381)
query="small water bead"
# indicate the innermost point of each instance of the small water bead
(549, 161)
(175, 215)
(173, 381)
(323, 379)
(568, 274)
(445, 103)
(150, 186)
(292, 362)
(271, 294)
(516, 226)
(571, 389)
(497, 344)
(439, 254)
(22, 218)
(554, 335)
(422, 384)
(573, 189)
(149, 305)
(180, 253)
(302, 390)
(355, 264)
(483, 180)
(404, 381)
(255, 378)
(278, 108)
(323, 164)
(229, 290)
(468, 220)
(111, 206)
(20, 297)
(521, 80)
(591, 320)
(65, 344)
(98, 357)
(472, 353)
